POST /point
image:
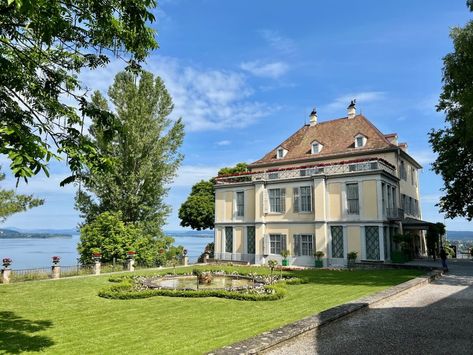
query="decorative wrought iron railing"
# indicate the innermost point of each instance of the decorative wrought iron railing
(343, 167)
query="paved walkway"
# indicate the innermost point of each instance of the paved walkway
(434, 319)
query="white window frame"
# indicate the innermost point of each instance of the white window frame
(358, 199)
(280, 153)
(316, 144)
(282, 204)
(363, 141)
(403, 170)
(297, 199)
(240, 213)
(274, 248)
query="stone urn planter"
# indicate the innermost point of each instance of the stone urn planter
(318, 258)
(285, 255)
(6, 262)
(351, 259)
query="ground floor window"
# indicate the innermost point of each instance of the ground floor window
(275, 243)
(337, 241)
(303, 245)
(229, 239)
(250, 240)
(372, 242)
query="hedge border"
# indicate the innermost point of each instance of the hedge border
(124, 290)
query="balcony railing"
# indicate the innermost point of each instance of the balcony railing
(250, 258)
(395, 214)
(344, 167)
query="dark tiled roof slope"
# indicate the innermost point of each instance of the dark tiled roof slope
(337, 137)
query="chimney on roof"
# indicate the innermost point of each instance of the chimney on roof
(352, 109)
(313, 117)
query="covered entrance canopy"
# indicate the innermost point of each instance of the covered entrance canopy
(409, 223)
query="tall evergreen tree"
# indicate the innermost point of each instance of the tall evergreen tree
(144, 154)
(454, 143)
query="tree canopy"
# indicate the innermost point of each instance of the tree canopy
(11, 202)
(44, 46)
(144, 156)
(454, 143)
(144, 153)
(198, 211)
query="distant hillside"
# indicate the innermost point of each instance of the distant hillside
(190, 233)
(460, 235)
(14, 234)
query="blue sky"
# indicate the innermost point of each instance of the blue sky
(245, 75)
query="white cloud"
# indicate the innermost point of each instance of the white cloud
(341, 102)
(208, 99)
(423, 157)
(224, 142)
(278, 41)
(270, 70)
(188, 175)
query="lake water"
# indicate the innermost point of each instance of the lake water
(29, 253)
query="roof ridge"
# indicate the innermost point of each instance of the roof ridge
(375, 128)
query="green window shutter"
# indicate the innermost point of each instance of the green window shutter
(265, 201)
(266, 247)
(296, 199)
(311, 199)
(283, 242)
(313, 245)
(297, 244)
(283, 200)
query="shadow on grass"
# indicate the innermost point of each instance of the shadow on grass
(16, 334)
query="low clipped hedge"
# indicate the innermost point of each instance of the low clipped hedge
(125, 290)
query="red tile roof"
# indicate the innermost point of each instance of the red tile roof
(337, 137)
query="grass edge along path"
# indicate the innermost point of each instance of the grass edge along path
(68, 317)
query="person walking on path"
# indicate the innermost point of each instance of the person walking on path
(443, 256)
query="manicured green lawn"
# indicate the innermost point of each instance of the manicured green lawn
(67, 316)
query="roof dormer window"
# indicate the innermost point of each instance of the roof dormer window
(360, 141)
(281, 153)
(316, 147)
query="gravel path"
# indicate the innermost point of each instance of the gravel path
(434, 319)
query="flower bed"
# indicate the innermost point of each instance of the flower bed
(263, 289)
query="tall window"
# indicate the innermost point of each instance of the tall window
(359, 142)
(280, 153)
(302, 199)
(403, 171)
(250, 240)
(240, 203)
(303, 245)
(383, 200)
(372, 242)
(413, 176)
(276, 200)
(315, 148)
(229, 239)
(337, 241)
(353, 199)
(275, 243)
